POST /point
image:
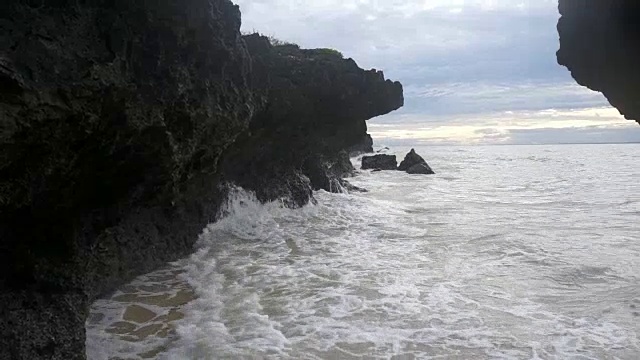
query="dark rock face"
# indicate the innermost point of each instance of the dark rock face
(364, 146)
(409, 160)
(315, 107)
(600, 45)
(113, 116)
(379, 162)
(118, 122)
(421, 168)
(414, 164)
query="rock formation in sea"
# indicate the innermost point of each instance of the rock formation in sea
(600, 45)
(379, 162)
(415, 164)
(119, 121)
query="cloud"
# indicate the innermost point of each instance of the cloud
(602, 125)
(461, 61)
(486, 97)
(580, 135)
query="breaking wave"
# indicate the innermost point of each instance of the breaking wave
(536, 257)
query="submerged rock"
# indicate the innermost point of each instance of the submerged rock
(415, 164)
(379, 162)
(352, 188)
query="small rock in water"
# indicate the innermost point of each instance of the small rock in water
(420, 169)
(410, 160)
(415, 164)
(382, 162)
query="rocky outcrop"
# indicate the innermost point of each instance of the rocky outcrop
(379, 162)
(118, 122)
(412, 163)
(315, 107)
(113, 116)
(600, 45)
(409, 160)
(415, 164)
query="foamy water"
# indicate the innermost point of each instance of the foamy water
(514, 252)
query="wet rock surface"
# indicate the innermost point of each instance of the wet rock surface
(421, 168)
(315, 104)
(364, 146)
(410, 160)
(121, 121)
(415, 164)
(379, 162)
(113, 117)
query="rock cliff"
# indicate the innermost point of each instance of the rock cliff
(315, 107)
(119, 121)
(600, 44)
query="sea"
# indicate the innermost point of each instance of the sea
(508, 252)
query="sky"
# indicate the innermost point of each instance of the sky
(473, 71)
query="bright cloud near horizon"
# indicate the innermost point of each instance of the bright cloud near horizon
(473, 71)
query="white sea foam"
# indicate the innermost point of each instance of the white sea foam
(506, 253)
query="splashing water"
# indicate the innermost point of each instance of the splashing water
(508, 252)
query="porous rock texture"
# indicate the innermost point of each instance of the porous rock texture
(316, 105)
(600, 45)
(379, 162)
(364, 146)
(119, 121)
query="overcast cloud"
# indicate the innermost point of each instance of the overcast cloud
(474, 71)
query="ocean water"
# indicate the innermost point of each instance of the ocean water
(508, 252)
